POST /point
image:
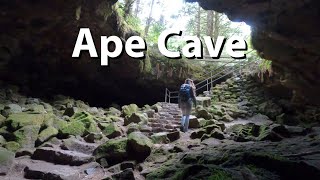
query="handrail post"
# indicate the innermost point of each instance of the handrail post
(211, 79)
(169, 97)
(165, 96)
(207, 84)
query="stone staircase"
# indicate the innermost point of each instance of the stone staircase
(167, 119)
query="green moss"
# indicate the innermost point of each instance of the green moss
(12, 146)
(27, 135)
(47, 134)
(74, 128)
(24, 119)
(2, 120)
(60, 124)
(128, 110)
(112, 118)
(87, 120)
(112, 131)
(113, 150)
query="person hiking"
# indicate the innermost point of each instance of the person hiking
(187, 95)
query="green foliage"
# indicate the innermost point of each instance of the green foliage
(154, 33)
(130, 21)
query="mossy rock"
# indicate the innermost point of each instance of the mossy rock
(2, 120)
(24, 119)
(160, 138)
(87, 120)
(212, 127)
(47, 133)
(128, 110)
(194, 122)
(156, 107)
(12, 146)
(247, 132)
(37, 108)
(6, 160)
(8, 135)
(274, 132)
(27, 136)
(112, 131)
(217, 134)
(2, 140)
(139, 146)
(135, 118)
(59, 124)
(112, 118)
(113, 111)
(114, 150)
(133, 127)
(204, 101)
(197, 134)
(203, 113)
(74, 128)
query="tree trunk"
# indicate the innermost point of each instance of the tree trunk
(128, 8)
(210, 21)
(209, 32)
(137, 10)
(146, 30)
(199, 21)
(216, 25)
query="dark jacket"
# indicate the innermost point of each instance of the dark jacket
(192, 97)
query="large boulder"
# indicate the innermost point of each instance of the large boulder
(194, 122)
(128, 110)
(112, 131)
(27, 136)
(11, 109)
(87, 120)
(24, 119)
(46, 134)
(12, 146)
(203, 113)
(113, 111)
(139, 146)
(203, 101)
(6, 161)
(114, 150)
(135, 118)
(2, 120)
(273, 132)
(160, 138)
(73, 128)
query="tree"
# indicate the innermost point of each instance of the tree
(198, 19)
(128, 8)
(149, 19)
(137, 10)
(210, 22)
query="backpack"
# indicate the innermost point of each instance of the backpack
(184, 92)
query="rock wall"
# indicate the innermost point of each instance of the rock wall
(285, 32)
(36, 43)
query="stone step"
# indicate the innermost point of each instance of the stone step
(36, 169)
(63, 157)
(73, 144)
(156, 125)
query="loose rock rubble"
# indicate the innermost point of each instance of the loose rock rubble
(233, 129)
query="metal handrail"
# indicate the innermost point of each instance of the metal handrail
(213, 78)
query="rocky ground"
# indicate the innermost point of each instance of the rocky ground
(238, 131)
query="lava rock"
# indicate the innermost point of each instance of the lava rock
(139, 146)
